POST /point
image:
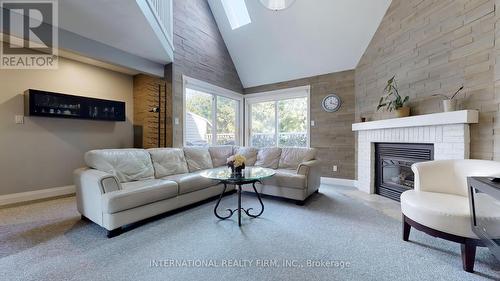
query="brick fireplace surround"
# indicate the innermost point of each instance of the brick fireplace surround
(448, 131)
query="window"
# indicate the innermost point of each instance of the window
(236, 12)
(211, 114)
(278, 118)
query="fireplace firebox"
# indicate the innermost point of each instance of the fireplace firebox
(393, 174)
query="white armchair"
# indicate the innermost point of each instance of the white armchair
(439, 203)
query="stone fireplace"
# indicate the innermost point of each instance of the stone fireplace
(447, 132)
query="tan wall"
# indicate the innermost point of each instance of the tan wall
(434, 47)
(200, 53)
(332, 134)
(145, 98)
(43, 152)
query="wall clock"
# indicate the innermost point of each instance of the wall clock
(331, 103)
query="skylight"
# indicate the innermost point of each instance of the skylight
(236, 12)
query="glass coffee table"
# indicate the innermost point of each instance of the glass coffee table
(250, 175)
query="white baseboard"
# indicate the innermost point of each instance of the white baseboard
(337, 181)
(36, 195)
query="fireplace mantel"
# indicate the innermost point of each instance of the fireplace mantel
(444, 118)
(448, 132)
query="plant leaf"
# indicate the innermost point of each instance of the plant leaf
(441, 95)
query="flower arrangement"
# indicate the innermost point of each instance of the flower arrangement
(236, 163)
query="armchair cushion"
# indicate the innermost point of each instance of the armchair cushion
(450, 176)
(444, 212)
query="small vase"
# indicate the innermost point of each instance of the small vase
(238, 171)
(449, 105)
(403, 111)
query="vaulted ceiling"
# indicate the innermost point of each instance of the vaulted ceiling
(309, 38)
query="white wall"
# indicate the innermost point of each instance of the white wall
(43, 152)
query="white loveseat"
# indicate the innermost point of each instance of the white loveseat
(123, 186)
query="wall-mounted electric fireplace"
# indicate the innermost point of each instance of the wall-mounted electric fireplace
(393, 174)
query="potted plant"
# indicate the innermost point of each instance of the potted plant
(393, 101)
(237, 164)
(449, 103)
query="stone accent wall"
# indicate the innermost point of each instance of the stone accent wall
(200, 52)
(332, 134)
(450, 142)
(434, 47)
(146, 122)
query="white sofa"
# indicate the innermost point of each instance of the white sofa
(123, 186)
(439, 203)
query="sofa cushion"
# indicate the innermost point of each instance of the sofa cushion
(268, 157)
(138, 193)
(446, 212)
(191, 182)
(219, 154)
(126, 164)
(197, 158)
(168, 161)
(291, 157)
(250, 154)
(287, 178)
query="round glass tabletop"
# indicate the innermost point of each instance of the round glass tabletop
(248, 174)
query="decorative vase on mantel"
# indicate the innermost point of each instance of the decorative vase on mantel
(449, 102)
(449, 105)
(403, 111)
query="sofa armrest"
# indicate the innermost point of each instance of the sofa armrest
(311, 170)
(305, 167)
(90, 185)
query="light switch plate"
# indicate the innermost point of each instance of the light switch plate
(313, 123)
(176, 121)
(19, 119)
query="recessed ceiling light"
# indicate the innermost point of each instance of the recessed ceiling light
(236, 12)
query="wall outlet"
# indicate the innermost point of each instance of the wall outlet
(335, 168)
(19, 119)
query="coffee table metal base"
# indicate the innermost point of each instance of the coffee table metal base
(239, 209)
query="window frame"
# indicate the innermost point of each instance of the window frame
(276, 96)
(198, 85)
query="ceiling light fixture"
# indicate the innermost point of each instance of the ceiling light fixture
(277, 5)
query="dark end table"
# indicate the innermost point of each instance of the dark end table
(484, 197)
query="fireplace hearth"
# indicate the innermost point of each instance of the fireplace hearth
(393, 174)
